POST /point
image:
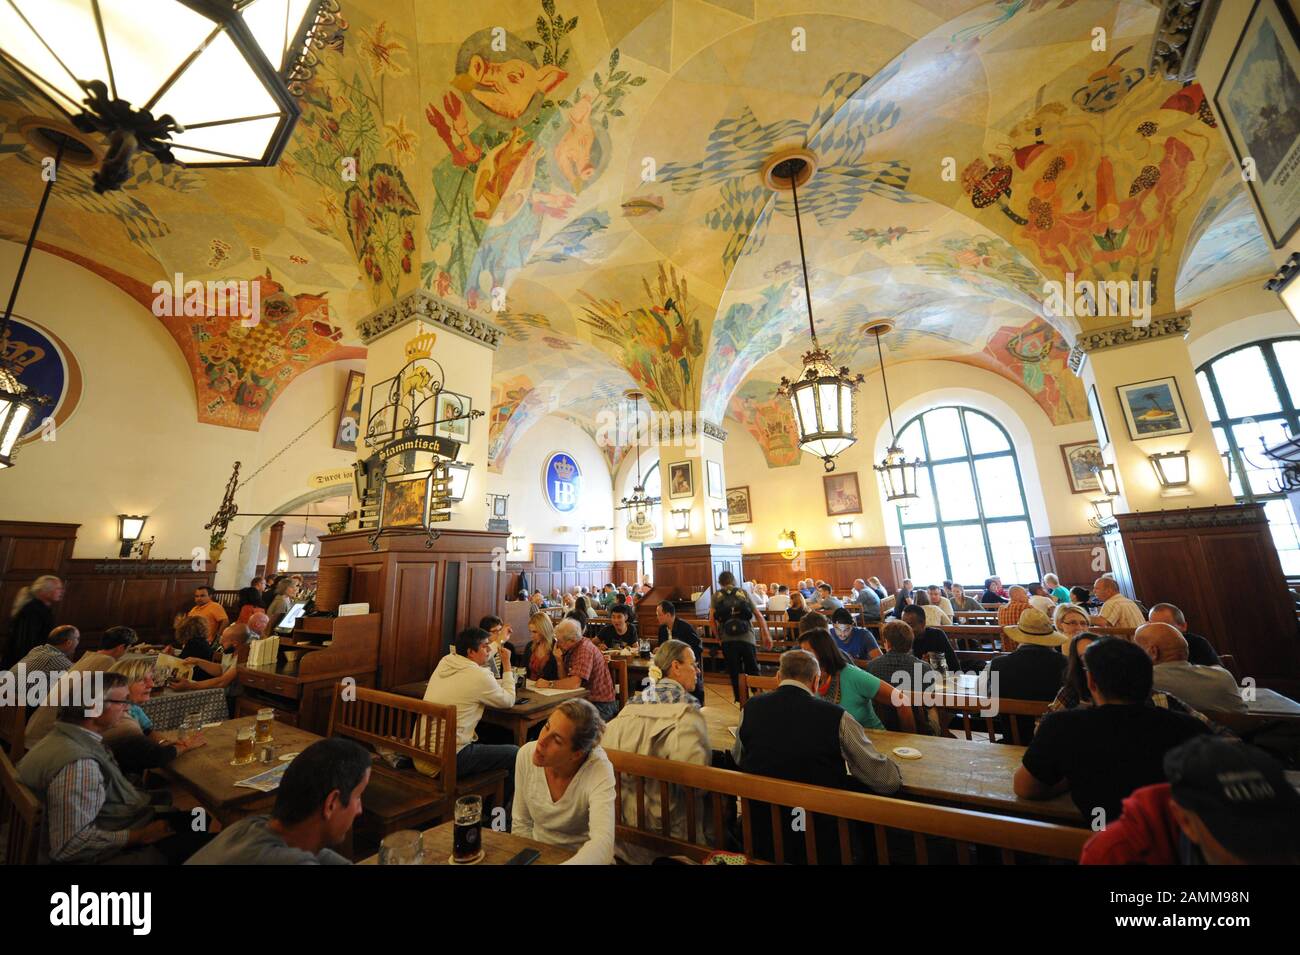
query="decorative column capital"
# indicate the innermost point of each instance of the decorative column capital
(422, 306)
(1127, 333)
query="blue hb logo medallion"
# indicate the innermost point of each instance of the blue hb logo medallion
(563, 480)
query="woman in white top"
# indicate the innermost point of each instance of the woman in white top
(564, 786)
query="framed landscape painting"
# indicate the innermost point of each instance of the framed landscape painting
(738, 510)
(1080, 458)
(1153, 409)
(1257, 102)
(406, 502)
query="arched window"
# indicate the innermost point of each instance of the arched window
(1250, 394)
(971, 521)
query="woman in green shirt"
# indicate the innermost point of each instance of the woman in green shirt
(842, 682)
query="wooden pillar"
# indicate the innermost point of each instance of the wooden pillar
(273, 548)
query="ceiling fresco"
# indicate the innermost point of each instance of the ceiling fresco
(585, 174)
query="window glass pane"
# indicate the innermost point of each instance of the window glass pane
(984, 435)
(1211, 409)
(1013, 552)
(1288, 356)
(1234, 480)
(924, 556)
(970, 564)
(943, 432)
(921, 511)
(1286, 535)
(956, 492)
(909, 439)
(1245, 383)
(651, 480)
(999, 487)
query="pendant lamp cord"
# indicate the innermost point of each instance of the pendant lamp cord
(803, 259)
(885, 381)
(31, 241)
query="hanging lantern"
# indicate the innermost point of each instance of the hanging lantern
(303, 549)
(897, 474)
(17, 405)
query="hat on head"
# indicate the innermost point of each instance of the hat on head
(1035, 627)
(1240, 792)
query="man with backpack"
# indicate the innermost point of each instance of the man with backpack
(731, 617)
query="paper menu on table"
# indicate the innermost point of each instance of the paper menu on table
(266, 782)
(544, 691)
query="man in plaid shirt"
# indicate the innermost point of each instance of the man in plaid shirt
(583, 666)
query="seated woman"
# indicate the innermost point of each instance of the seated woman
(844, 683)
(564, 786)
(234, 650)
(797, 607)
(664, 721)
(1070, 619)
(543, 662)
(759, 596)
(583, 606)
(193, 641)
(132, 740)
(286, 591)
(250, 602)
(934, 614)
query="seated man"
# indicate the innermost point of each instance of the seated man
(887, 602)
(1052, 584)
(112, 646)
(1040, 598)
(1201, 688)
(1035, 667)
(211, 612)
(584, 666)
(318, 799)
(93, 813)
(55, 655)
(858, 642)
(564, 785)
(1116, 609)
(778, 600)
(927, 640)
(1226, 803)
(1199, 650)
(897, 666)
(827, 602)
(1017, 603)
(868, 600)
(223, 673)
(462, 680)
(937, 599)
(1101, 753)
(672, 627)
(256, 625)
(620, 631)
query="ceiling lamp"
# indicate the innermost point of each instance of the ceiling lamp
(1171, 468)
(304, 548)
(1286, 282)
(199, 82)
(897, 474)
(822, 397)
(638, 502)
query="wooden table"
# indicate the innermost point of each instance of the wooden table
(531, 708)
(498, 847)
(1272, 703)
(206, 772)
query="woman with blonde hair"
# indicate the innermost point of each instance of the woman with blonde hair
(1070, 619)
(132, 740)
(543, 662)
(33, 618)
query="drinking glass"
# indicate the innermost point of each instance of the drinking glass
(244, 746)
(401, 848)
(191, 725)
(467, 842)
(264, 718)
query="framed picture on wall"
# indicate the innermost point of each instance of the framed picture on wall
(1098, 422)
(842, 494)
(714, 471)
(1080, 459)
(451, 417)
(681, 480)
(738, 509)
(1256, 100)
(406, 502)
(349, 424)
(1153, 409)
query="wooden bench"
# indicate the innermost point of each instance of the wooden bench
(717, 790)
(20, 817)
(406, 798)
(618, 672)
(753, 685)
(971, 708)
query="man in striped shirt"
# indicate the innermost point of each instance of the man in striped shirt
(584, 666)
(55, 655)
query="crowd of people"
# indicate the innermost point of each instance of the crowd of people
(1128, 733)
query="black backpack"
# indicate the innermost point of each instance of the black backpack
(733, 613)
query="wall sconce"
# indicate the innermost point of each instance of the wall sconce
(789, 545)
(129, 529)
(846, 529)
(719, 518)
(516, 543)
(1106, 477)
(1286, 282)
(459, 474)
(1171, 467)
(681, 520)
(1103, 509)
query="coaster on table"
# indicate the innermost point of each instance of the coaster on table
(451, 859)
(907, 752)
(287, 756)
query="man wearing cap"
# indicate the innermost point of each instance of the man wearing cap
(1226, 803)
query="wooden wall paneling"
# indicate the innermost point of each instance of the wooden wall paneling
(411, 652)
(839, 567)
(480, 589)
(1075, 558)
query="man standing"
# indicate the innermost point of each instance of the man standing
(730, 617)
(584, 666)
(212, 612)
(1117, 609)
(33, 618)
(672, 627)
(1199, 651)
(1200, 687)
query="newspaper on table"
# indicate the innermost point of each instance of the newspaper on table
(266, 782)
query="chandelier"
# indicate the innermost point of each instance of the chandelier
(639, 501)
(198, 82)
(822, 397)
(897, 474)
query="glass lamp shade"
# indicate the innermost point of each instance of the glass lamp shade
(897, 475)
(130, 527)
(459, 474)
(846, 529)
(1104, 509)
(303, 548)
(719, 518)
(1286, 283)
(822, 401)
(17, 404)
(681, 520)
(219, 70)
(1171, 468)
(1109, 482)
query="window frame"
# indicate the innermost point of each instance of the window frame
(925, 470)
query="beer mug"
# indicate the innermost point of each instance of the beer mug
(401, 848)
(191, 725)
(264, 717)
(467, 843)
(244, 746)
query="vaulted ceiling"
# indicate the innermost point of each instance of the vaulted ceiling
(586, 174)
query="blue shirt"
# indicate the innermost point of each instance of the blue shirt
(859, 644)
(137, 714)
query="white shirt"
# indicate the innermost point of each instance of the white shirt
(1119, 611)
(581, 822)
(778, 603)
(935, 617)
(1046, 604)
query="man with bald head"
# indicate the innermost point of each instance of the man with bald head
(1018, 602)
(1199, 650)
(1200, 687)
(1117, 609)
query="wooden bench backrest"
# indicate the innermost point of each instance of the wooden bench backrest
(972, 708)
(753, 685)
(721, 786)
(20, 817)
(13, 729)
(414, 728)
(618, 672)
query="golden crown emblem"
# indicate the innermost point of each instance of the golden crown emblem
(19, 353)
(421, 346)
(564, 470)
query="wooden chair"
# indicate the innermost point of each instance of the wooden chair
(1226, 660)
(753, 685)
(764, 803)
(20, 817)
(406, 798)
(972, 708)
(618, 672)
(13, 729)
